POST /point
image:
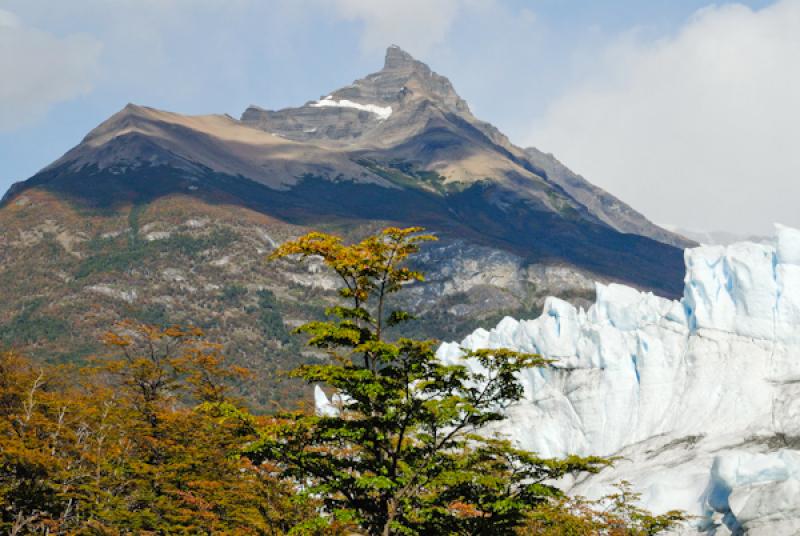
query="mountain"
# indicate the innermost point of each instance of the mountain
(699, 397)
(167, 218)
(416, 115)
(398, 145)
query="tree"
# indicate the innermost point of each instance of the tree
(32, 419)
(147, 443)
(408, 450)
(181, 469)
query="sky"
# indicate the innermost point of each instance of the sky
(686, 110)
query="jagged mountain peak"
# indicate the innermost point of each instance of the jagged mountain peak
(381, 108)
(404, 79)
(403, 74)
(399, 59)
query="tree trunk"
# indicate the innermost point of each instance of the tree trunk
(390, 515)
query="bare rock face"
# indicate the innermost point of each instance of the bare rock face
(354, 115)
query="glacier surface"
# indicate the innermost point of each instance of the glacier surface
(700, 397)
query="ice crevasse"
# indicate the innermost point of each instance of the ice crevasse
(700, 397)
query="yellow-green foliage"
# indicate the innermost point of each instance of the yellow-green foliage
(123, 452)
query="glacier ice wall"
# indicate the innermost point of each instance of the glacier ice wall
(701, 397)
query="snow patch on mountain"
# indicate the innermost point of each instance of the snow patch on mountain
(701, 397)
(383, 112)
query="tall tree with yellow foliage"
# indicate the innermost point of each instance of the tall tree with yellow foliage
(408, 450)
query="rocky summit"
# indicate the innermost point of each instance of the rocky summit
(167, 217)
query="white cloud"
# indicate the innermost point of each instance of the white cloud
(39, 69)
(416, 25)
(700, 129)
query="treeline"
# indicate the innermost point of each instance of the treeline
(149, 440)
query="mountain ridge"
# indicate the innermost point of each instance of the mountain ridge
(398, 145)
(427, 87)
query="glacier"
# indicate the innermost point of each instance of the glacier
(700, 398)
